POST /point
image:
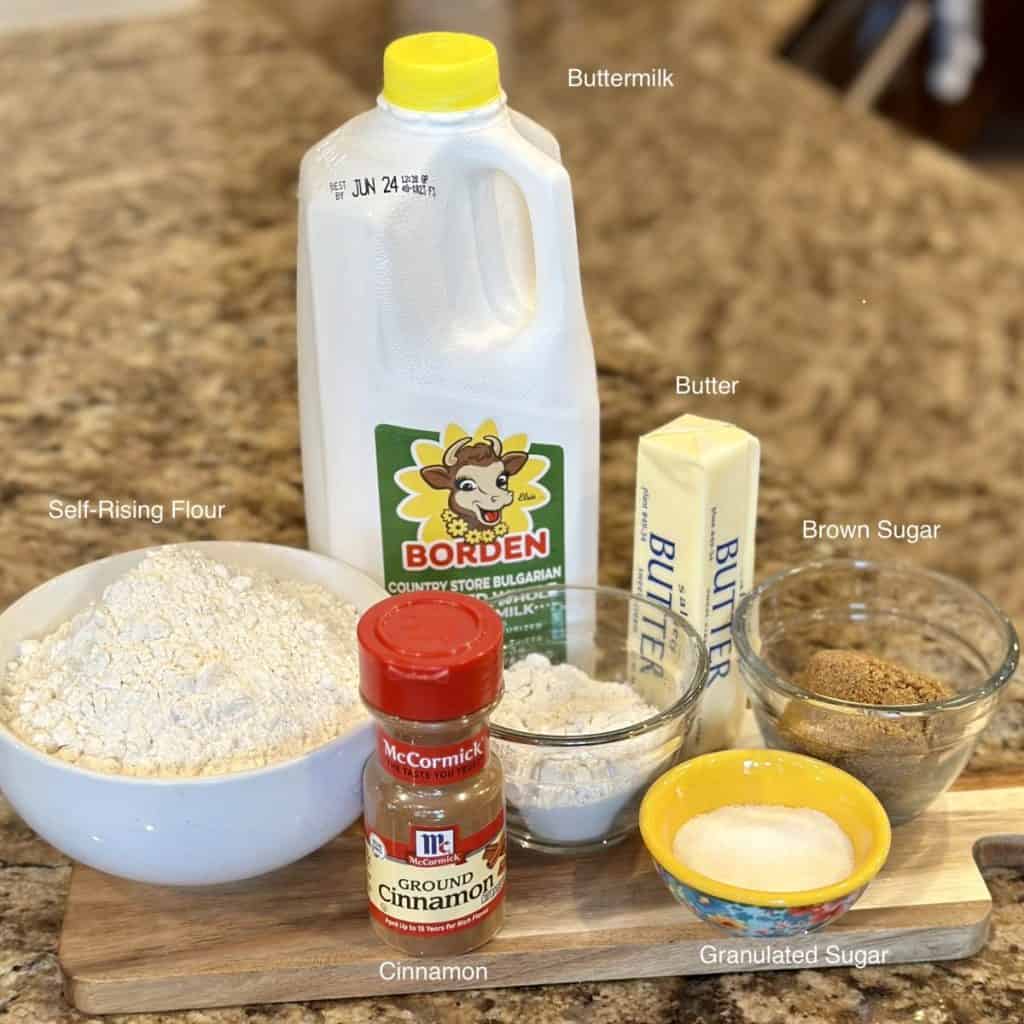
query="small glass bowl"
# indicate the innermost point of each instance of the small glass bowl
(906, 754)
(579, 793)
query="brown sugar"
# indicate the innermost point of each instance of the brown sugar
(903, 759)
(865, 679)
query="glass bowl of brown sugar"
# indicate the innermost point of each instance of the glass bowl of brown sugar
(888, 671)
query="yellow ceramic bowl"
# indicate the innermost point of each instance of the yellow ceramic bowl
(763, 777)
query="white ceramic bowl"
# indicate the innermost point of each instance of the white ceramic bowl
(197, 831)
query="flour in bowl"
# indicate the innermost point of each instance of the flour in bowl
(562, 700)
(187, 667)
(575, 795)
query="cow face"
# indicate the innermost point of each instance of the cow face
(477, 479)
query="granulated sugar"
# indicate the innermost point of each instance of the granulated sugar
(767, 847)
(187, 667)
(574, 794)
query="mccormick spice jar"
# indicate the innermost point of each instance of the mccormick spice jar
(433, 797)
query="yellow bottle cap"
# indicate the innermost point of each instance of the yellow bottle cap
(441, 71)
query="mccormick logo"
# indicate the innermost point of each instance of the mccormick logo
(472, 497)
(432, 765)
(434, 846)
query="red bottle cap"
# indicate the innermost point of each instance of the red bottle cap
(430, 656)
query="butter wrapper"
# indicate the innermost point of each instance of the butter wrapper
(693, 552)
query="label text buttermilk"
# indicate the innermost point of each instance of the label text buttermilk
(605, 78)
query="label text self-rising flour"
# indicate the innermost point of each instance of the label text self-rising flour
(153, 512)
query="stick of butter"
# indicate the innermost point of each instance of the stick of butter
(693, 551)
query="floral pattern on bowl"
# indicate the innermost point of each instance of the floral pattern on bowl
(758, 922)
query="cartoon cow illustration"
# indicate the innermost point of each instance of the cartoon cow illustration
(476, 475)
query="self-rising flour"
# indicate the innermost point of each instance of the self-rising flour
(187, 667)
(573, 794)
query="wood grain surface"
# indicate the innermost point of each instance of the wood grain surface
(302, 933)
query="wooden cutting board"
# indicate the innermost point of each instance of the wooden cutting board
(302, 932)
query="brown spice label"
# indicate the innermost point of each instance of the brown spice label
(438, 882)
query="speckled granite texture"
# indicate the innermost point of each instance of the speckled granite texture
(867, 291)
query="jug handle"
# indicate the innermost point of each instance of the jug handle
(544, 183)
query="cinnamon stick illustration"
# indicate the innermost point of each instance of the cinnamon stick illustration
(495, 852)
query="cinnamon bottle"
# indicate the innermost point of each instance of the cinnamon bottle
(433, 797)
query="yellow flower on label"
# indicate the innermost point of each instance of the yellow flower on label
(473, 485)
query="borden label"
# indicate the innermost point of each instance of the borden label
(437, 882)
(432, 766)
(469, 510)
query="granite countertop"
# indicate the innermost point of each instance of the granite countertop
(865, 289)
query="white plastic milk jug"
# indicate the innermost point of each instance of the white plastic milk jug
(447, 388)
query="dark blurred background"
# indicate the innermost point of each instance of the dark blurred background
(948, 70)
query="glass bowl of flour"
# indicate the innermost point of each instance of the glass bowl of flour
(601, 690)
(187, 714)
